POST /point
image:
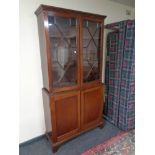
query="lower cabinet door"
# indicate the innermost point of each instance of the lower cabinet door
(65, 108)
(91, 107)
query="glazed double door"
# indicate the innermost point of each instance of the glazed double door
(76, 45)
(76, 111)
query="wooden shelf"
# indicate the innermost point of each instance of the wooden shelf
(69, 37)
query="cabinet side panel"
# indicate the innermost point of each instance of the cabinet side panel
(47, 112)
(43, 52)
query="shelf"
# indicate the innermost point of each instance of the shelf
(63, 84)
(90, 38)
(64, 37)
(73, 37)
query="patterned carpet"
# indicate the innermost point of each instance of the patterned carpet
(121, 144)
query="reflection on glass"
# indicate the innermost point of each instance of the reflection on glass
(91, 50)
(63, 48)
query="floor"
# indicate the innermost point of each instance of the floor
(75, 146)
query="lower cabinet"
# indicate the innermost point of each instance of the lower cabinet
(71, 113)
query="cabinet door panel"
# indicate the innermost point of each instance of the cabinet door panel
(91, 50)
(63, 32)
(67, 114)
(92, 106)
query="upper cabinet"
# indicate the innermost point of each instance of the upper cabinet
(73, 48)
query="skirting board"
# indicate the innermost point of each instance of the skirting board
(32, 140)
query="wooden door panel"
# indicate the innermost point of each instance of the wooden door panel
(67, 114)
(92, 106)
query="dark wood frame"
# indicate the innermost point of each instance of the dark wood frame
(50, 94)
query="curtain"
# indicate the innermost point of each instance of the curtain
(120, 75)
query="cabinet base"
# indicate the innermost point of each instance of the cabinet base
(101, 125)
(55, 145)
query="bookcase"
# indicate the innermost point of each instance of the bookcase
(71, 49)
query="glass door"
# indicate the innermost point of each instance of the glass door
(64, 50)
(92, 49)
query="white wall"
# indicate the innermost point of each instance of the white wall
(31, 107)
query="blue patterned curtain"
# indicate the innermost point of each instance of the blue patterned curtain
(120, 75)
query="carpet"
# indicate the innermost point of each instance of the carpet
(121, 144)
(75, 146)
